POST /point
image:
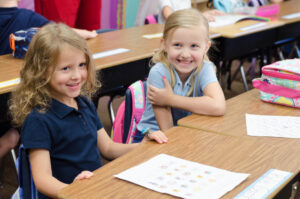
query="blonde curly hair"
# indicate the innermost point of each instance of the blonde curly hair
(182, 18)
(40, 60)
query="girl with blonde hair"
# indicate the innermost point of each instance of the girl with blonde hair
(60, 126)
(183, 80)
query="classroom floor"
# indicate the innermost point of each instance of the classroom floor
(8, 175)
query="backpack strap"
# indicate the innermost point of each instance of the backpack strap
(256, 3)
(150, 19)
(138, 107)
(118, 125)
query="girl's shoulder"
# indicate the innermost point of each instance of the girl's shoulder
(37, 114)
(207, 63)
(159, 67)
(85, 101)
(208, 66)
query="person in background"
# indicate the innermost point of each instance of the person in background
(167, 7)
(83, 14)
(61, 129)
(13, 19)
(277, 1)
(182, 81)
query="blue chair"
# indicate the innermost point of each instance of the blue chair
(26, 189)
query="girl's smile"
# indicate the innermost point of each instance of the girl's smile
(69, 75)
(185, 48)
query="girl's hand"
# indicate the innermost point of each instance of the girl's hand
(86, 34)
(84, 175)
(209, 14)
(158, 136)
(160, 96)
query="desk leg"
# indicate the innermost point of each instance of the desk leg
(295, 191)
(291, 190)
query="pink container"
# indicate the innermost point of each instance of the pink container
(268, 10)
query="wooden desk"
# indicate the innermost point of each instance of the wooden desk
(237, 44)
(225, 152)
(117, 70)
(291, 29)
(131, 38)
(234, 30)
(234, 122)
(286, 8)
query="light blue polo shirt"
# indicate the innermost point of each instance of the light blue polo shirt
(207, 76)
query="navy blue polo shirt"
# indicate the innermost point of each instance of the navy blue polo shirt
(14, 19)
(70, 135)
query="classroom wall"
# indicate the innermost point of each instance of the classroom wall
(115, 14)
(132, 7)
(119, 14)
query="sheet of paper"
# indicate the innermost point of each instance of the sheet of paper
(291, 16)
(273, 126)
(226, 20)
(182, 178)
(9, 82)
(109, 53)
(153, 36)
(265, 185)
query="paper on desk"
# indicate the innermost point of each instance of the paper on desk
(265, 185)
(291, 16)
(273, 126)
(182, 178)
(228, 19)
(9, 82)
(153, 36)
(109, 53)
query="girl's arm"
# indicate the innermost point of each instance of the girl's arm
(210, 14)
(42, 173)
(164, 120)
(166, 11)
(163, 117)
(110, 149)
(212, 103)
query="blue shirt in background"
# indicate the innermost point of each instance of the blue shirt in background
(14, 19)
(68, 134)
(207, 76)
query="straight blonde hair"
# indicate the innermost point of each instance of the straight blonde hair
(185, 18)
(40, 60)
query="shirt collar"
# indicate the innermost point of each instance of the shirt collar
(62, 110)
(177, 79)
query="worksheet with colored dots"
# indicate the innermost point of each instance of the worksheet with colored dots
(182, 178)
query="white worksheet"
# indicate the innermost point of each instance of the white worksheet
(273, 126)
(182, 178)
(227, 19)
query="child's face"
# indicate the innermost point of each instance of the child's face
(185, 49)
(70, 74)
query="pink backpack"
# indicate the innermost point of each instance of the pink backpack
(129, 113)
